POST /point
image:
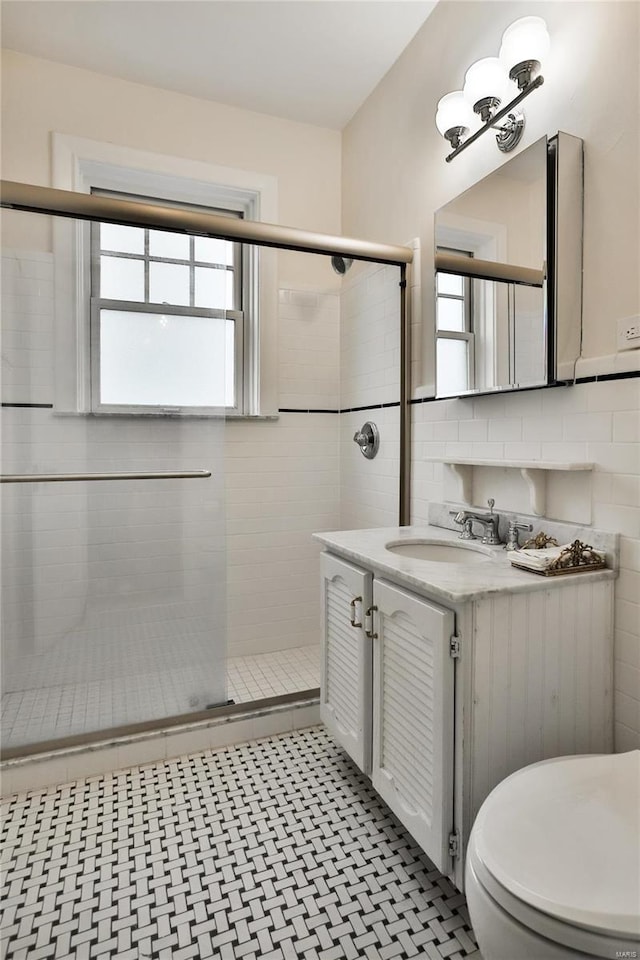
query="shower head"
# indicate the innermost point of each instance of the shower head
(341, 264)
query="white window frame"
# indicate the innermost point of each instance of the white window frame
(242, 286)
(80, 164)
(467, 334)
(486, 240)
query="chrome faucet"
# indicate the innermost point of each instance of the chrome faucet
(459, 516)
(489, 522)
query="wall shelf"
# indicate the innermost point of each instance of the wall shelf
(533, 472)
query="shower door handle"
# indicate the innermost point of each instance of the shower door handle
(70, 477)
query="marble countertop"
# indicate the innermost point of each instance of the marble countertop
(451, 582)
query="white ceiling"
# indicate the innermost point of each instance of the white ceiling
(314, 61)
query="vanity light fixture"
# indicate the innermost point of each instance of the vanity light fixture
(491, 82)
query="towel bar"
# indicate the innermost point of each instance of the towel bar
(64, 477)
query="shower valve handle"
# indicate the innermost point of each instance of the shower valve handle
(368, 439)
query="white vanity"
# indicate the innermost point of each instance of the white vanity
(446, 669)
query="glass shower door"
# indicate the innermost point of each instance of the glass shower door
(113, 526)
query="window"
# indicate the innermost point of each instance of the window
(167, 320)
(87, 166)
(454, 330)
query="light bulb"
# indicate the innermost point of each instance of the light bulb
(525, 44)
(486, 80)
(454, 113)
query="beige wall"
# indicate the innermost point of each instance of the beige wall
(394, 171)
(39, 96)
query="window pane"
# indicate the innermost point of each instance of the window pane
(122, 239)
(121, 279)
(149, 359)
(162, 243)
(214, 251)
(452, 366)
(450, 314)
(169, 283)
(450, 283)
(214, 288)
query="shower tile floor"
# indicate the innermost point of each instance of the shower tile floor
(277, 849)
(273, 674)
(45, 710)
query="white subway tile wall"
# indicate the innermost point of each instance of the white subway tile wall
(308, 350)
(592, 422)
(369, 488)
(27, 327)
(283, 484)
(369, 374)
(370, 335)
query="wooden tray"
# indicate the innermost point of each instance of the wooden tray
(581, 568)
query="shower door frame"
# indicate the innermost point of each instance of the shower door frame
(66, 203)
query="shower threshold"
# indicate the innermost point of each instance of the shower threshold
(58, 762)
(222, 712)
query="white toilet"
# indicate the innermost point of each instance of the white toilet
(553, 862)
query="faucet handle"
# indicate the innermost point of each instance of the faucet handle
(491, 503)
(520, 526)
(512, 537)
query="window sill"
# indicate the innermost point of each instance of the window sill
(231, 417)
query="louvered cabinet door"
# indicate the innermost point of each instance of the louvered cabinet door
(413, 716)
(345, 681)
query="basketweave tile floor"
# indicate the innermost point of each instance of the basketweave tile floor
(276, 849)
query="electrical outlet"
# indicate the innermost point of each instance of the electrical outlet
(628, 333)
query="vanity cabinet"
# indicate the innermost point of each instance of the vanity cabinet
(347, 658)
(387, 695)
(412, 705)
(437, 702)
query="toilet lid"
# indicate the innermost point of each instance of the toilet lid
(564, 837)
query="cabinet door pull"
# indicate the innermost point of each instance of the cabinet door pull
(352, 619)
(368, 627)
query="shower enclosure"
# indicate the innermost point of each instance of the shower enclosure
(154, 539)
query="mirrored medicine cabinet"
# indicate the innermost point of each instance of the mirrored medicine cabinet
(508, 281)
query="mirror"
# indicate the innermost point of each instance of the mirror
(508, 274)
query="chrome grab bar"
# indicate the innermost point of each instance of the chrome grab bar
(65, 477)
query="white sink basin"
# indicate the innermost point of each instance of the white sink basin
(438, 552)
